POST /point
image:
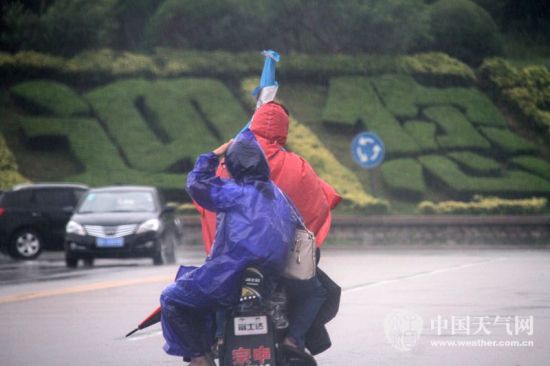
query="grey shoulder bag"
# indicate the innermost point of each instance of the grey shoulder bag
(301, 263)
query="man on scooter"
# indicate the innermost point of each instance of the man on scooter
(255, 226)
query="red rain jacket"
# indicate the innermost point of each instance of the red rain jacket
(313, 197)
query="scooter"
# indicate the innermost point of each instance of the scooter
(254, 328)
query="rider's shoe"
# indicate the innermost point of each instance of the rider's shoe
(295, 356)
(205, 360)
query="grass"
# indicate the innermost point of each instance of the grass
(475, 163)
(510, 182)
(90, 145)
(459, 132)
(508, 141)
(49, 97)
(194, 115)
(423, 134)
(404, 177)
(305, 101)
(352, 101)
(403, 96)
(532, 164)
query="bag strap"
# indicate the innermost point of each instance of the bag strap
(294, 209)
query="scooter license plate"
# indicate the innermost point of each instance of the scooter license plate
(251, 325)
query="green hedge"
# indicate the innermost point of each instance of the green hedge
(403, 97)
(476, 163)
(423, 134)
(353, 99)
(399, 93)
(404, 178)
(305, 101)
(533, 165)
(49, 97)
(90, 145)
(459, 133)
(193, 114)
(465, 30)
(510, 182)
(526, 90)
(484, 206)
(438, 68)
(9, 174)
(508, 141)
(349, 99)
(103, 65)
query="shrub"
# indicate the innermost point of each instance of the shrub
(399, 93)
(475, 163)
(510, 182)
(320, 26)
(423, 134)
(533, 165)
(485, 206)
(7, 160)
(304, 100)
(352, 100)
(19, 26)
(100, 158)
(404, 178)
(527, 90)
(9, 175)
(403, 96)
(347, 100)
(106, 63)
(438, 68)
(50, 97)
(102, 65)
(206, 25)
(70, 26)
(191, 115)
(508, 141)
(459, 133)
(464, 30)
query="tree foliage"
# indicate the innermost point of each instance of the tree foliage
(464, 30)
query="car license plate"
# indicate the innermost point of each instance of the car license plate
(110, 242)
(250, 325)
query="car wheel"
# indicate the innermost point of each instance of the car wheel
(25, 244)
(70, 261)
(89, 261)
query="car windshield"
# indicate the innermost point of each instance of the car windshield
(117, 202)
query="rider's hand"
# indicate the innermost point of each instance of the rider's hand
(222, 149)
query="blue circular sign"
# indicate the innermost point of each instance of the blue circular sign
(367, 150)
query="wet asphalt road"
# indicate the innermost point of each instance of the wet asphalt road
(398, 307)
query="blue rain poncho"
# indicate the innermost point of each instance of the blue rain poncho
(255, 226)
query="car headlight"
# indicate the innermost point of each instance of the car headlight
(74, 227)
(149, 225)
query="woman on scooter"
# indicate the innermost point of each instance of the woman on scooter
(255, 225)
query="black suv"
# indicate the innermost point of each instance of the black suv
(33, 217)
